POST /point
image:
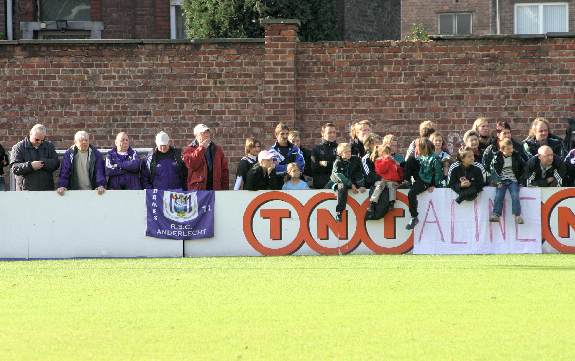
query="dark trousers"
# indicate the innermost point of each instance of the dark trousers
(468, 194)
(417, 187)
(411, 169)
(342, 190)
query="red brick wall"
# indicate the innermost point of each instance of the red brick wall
(426, 12)
(238, 90)
(507, 11)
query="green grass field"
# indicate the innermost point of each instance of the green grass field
(291, 308)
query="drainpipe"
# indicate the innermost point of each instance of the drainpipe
(498, 18)
(9, 24)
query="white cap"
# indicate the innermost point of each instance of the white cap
(264, 154)
(162, 138)
(200, 128)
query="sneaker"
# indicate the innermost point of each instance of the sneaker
(412, 223)
(519, 220)
(494, 218)
(338, 217)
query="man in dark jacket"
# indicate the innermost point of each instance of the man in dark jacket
(82, 167)
(206, 162)
(164, 168)
(346, 175)
(545, 170)
(33, 161)
(323, 155)
(123, 165)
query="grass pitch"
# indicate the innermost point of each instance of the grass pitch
(290, 308)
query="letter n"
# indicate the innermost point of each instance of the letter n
(565, 221)
(325, 222)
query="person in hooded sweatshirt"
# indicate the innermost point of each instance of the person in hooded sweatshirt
(164, 168)
(82, 167)
(123, 165)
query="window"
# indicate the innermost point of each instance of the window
(455, 24)
(71, 10)
(541, 18)
(177, 24)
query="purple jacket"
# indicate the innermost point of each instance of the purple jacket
(67, 178)
(164, 171)
(123, 170)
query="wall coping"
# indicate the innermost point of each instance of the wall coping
(132, 41)
(271, 21)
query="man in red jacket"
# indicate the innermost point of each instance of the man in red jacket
(206, 163)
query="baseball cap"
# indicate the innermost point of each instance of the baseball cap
(264, 154)
(200, 128)
(162, 138)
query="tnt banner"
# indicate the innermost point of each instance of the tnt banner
(180, 215)
(446, 227)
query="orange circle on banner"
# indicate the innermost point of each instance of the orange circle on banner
(400, 249)
(249, 213)
(311, 205)
(546, 211)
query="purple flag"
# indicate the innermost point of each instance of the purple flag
(180, 215)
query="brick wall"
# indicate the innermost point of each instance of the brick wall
(242, 89)
(426, 13)
(372, 20)
(507, 13)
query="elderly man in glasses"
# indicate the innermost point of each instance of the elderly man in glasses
(33, 161)
(82, 167)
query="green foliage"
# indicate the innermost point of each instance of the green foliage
(241, 18)
(2, 36)
(222, 18)
(418, 33)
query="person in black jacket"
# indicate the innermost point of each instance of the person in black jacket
(4, 161)
(545, 170)
(262, 176)
(250, 158)
(33, 161)
(359, 131)
(346, 175)
(508, 167)
(466, 177)
(540, 134)
(323, 155)
(370, 143)
(503, 130)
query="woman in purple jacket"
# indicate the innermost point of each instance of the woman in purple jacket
(123, 165)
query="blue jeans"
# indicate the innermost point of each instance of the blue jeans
(500, 197)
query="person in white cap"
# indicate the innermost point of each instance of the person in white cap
(164, 168)
(262, 176)
(206, 162)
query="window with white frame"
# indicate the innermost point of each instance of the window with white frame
(455, 24)
(534, 18)
(177, 23)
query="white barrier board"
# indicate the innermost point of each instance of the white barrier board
(79, 224)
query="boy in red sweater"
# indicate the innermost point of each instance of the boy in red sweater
(390, 173)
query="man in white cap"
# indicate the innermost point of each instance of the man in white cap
(206, 162)
(164, 168)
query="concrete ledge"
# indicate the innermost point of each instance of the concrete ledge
(271, 21)
(131, 41)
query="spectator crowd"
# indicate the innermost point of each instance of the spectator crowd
(490, 155)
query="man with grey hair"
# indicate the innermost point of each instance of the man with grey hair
(545, 170)
(83, 167)
(33, 161)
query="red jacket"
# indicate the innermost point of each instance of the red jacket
(195, 160)
(388, 169)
